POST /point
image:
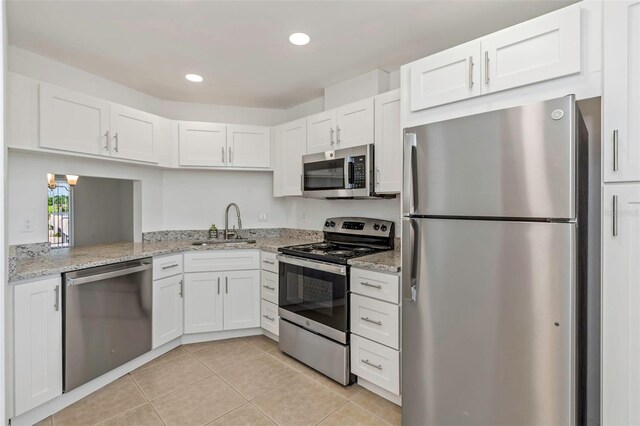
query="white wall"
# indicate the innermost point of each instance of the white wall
(27, 195)
(362, 86)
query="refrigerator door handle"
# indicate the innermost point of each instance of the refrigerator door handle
(411, 285)
(410, 177)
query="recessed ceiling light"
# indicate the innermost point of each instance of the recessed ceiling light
(194, 77)
(299, 39)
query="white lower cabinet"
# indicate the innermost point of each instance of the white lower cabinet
(621, 304)
(168, 307)
(375, 330)
(269, 293)
(269, 317)
(216, 299)
(376, 320)
(203, 302)
(37, 343)
(376, 363)
(241, 299)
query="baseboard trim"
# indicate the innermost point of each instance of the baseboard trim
(396, 399)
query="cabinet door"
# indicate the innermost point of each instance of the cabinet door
(202, 144)
(73, 122)
(203, 302)
(354, 124)
(388, 143)
(133, 133)
(321, 132)
(249, 146)
(294, 146)
(621, 305)
(241, 299)
(621, 100)
(536, 50)
(38, 343)
(167, 310)
(447, 76)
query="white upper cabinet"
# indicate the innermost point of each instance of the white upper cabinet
(540, 49)
(447, 76)
(241, 299)
(536, 50)
(621, 100)
(354, 124)
(388, 143)
(73, 122)
(78, 123)
(203, 302)
(621, 305)
(293, 145)
(202, 144)
(37, 343)
(248, 146)
(133, 133)
(321, 132)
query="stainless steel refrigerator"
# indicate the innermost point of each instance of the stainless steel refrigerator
(494, 270)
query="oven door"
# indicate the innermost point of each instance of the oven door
(314, 295)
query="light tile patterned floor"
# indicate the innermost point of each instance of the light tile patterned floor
(245, 381)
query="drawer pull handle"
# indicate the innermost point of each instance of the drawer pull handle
(269, 287)
(270, 262)
(170, 266)
(268, 317)
(366, 361)
(371, 321)
(368, 284)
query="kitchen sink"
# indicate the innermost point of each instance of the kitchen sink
(230, 241)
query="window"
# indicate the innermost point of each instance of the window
(59, 213)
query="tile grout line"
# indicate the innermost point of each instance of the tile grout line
(369, 411)
(265, 414)
(339, 407)
(138, 386)
(122, 412)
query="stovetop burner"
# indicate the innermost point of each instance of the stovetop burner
(341, 253)
(323, 246)
(363, 250)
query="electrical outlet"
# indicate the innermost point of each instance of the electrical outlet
(262, 217)
(27, 224)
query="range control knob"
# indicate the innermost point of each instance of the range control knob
(327, 224)
(383, 228)
(376, 227)
(332, 224)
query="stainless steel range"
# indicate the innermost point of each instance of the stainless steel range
(314, 292)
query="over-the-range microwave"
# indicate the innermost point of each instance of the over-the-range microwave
(342, 173)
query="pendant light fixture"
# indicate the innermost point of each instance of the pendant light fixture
(72, 179)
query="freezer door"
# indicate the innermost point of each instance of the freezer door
(517, 162)
(488, 330)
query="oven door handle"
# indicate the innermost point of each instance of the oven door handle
(311, 264)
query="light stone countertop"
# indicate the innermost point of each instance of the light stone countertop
(66, 260)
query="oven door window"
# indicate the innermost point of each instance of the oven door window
(324, 175)
(317, 295)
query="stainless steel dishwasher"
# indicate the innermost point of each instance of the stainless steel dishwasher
(107, 319)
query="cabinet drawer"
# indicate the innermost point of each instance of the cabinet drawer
(375, 320)
(167, 266)
(269, 286)
(375, 284)
(376, 363)
(269, 262)
(269, 318)
(222, 260)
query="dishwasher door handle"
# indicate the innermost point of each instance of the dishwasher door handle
(107, 275)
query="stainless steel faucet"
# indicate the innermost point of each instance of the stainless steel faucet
(226, 221)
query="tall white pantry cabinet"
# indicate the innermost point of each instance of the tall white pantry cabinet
(621, 215)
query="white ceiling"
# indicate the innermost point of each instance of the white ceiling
(242, 49)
